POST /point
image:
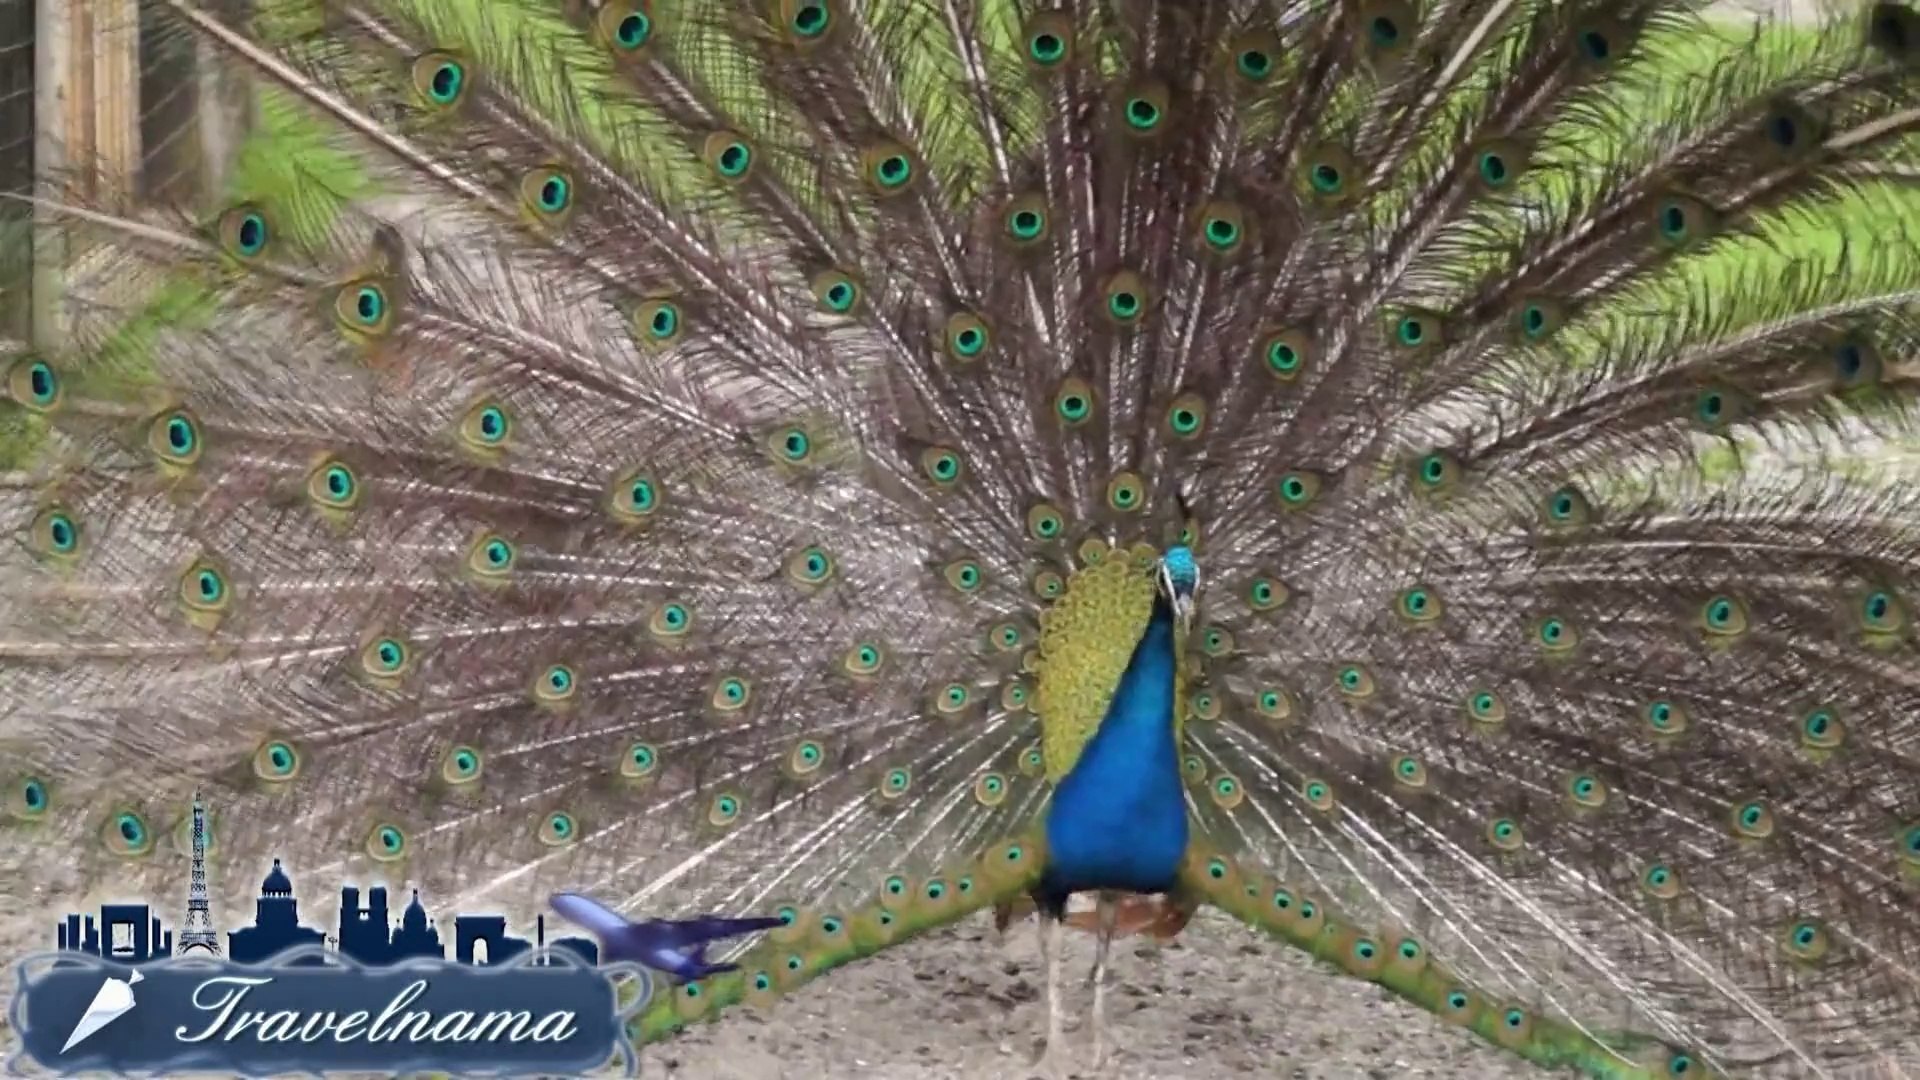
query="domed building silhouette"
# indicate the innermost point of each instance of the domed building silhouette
(276, 924)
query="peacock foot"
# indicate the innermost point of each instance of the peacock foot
(1055, 1062)
(1106, 1047)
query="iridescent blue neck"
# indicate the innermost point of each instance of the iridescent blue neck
(1118, 820)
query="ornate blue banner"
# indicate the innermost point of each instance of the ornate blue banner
(76, 1013)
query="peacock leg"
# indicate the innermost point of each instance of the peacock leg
(1053, 1057)
(1108, 912)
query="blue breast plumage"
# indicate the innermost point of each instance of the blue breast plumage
(1118, 819)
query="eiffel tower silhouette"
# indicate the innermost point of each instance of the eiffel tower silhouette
(197, 934)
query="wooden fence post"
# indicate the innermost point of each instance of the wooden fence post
(86, 129)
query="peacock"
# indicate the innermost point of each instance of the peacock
(1410, 475)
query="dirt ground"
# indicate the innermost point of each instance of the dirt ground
(1219, 1001)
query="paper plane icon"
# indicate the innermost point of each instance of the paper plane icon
(114, 998)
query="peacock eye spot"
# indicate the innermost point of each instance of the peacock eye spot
(1411, 330)
(445, 83)
(1849, 360)
(1254, 64)
(1142, 114)
(1325, 178)
(1026, 224)
(368, 304)
(796, 445)
(1493, 168)
(1222, 233)
(131, 829)
(734, 159)
(553, 194)
(895, 170)
(390, 838)
(811, 20)
(1409, 949)
(1123, 304)
(180, 435)
(633, 30)
(1282, 357)
(1073, 406)
(1595, 45)
(208, 585)
(1515, 1018)
(1047, 48)
(969, 341)
(1673, 221)
(498, 553)
(252, 234)
(1384, 31)
(40, 382)
(1783, 131)
(1457, 1001)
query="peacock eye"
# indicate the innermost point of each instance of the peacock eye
(941, 465)
(440, 78)
(966, 336)
(836, 292)
(658, 322)
(810, 566)
(728, 155)
(252, 234)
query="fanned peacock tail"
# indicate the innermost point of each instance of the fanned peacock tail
(680, 452)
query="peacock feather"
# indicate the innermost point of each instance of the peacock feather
(1409, 475)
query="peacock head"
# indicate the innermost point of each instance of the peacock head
(1179, 581)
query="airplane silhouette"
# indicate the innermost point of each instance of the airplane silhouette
(675, 946)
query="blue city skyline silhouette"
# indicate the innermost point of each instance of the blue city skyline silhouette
(365, 933)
